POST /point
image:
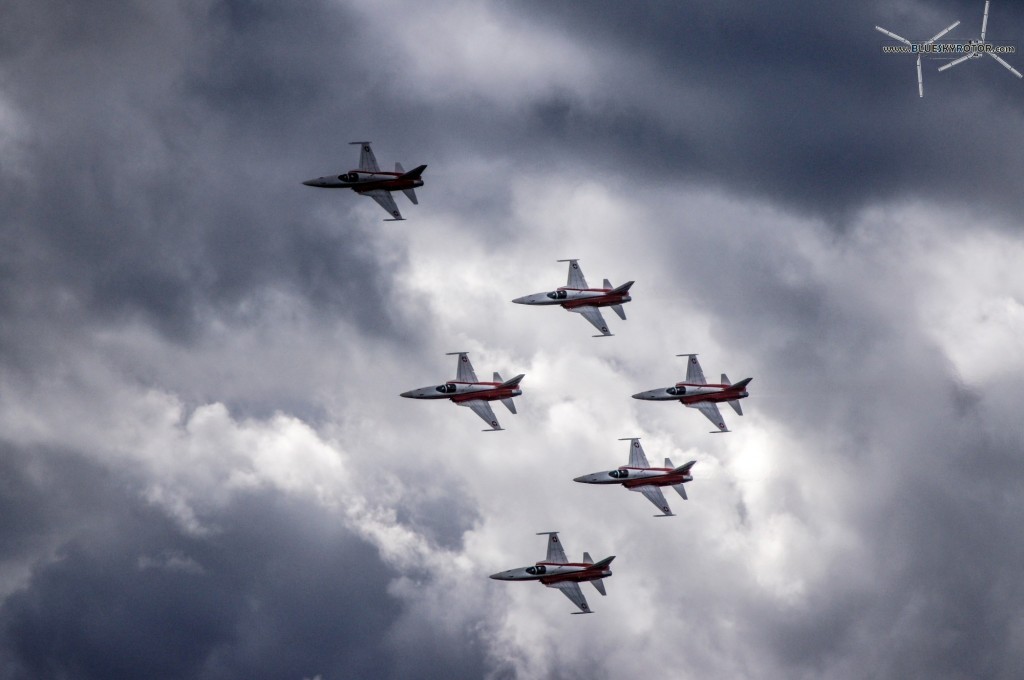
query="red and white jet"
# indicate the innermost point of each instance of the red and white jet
(695, 392)
(369, 180)
(467, 390)
(638, 475)
(556, 571)
(577, 296)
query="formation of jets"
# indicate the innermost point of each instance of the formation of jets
(976, 49)
(466, 389)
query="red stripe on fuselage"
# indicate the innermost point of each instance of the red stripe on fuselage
(667, 480)
(387, 185)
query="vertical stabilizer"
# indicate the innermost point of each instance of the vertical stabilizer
(587, 559)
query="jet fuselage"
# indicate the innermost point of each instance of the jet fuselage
(631, 477)
(552, 572)
(463, 391)
(361, 180)
(694, 394)
(570, 298)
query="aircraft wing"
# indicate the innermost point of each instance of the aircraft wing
(571, 590)
(555, 552)
(367, 161)
(636, 455)
(464, 371)
(593, 315)
(694, 373)
(385, 201)
(483, 409)
(709, 409)
(576, 279)
(654, 495)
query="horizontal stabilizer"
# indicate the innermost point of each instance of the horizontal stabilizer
(587, 559)
(620, 311)
(683, 469)
(681, 490)
(607, 284)
(623, 289)
(411, 194)
(599, 584)
(399, 169)
(514, 382)
(509, 404)
(414, 173)
(725, 379)
(736, 406)
(498, 378)
(741, 384)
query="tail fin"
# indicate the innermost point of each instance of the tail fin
(509, 404)
(411, 193)
(725, 379)
(498, 378)
(587, 559)
(414, 173)
(682, 469)
(736, 406)
(681, 490)
(669, 464)
(740, 385)
(605, 562)
(620, 311)
(623, 289)
(599, 584)
(398, 168)
(607, 284)
(514, 382)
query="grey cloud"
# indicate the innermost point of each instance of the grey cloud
(279, 590)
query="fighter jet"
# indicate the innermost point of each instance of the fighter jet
(466, 390)
(576, 296)
(556, 571)
(638, 475)
(695, 392)
(369, 180)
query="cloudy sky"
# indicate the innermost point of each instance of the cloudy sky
(206, 470)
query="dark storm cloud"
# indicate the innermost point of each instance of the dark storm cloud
(796, 103)
(162, 151)
(278, 590)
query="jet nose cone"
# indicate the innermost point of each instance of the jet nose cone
(408, 395)
(312, 182)
(583, 478)
(521, 300)
(501, 576)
